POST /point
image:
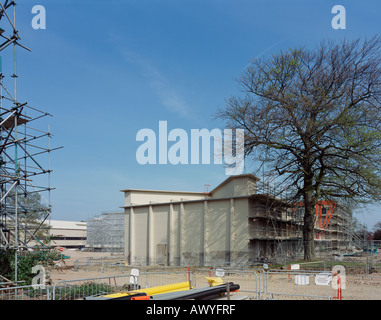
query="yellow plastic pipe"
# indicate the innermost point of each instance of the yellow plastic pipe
(180, 286)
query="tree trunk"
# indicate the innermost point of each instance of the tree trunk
(308, 227)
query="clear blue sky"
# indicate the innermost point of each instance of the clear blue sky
(106, 69)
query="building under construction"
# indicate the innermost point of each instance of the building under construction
(233, 224)
(106, 233)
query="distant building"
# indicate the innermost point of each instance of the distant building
(106, 233)
(68, 234)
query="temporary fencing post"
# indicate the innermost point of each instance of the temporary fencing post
(189, 277)
(339, 289)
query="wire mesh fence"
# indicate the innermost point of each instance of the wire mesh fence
(291, 284)
(25, 293)
(80, 288)
(255, 284)
(295, 279)
(249, 280)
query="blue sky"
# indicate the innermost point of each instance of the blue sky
(106, 69)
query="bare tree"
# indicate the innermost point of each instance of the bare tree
(314, 117)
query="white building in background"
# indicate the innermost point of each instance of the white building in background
(67, 234)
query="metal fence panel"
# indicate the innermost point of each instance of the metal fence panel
(25, 293)
(300, 284)
(248, 279)
(153, 279)
(81, 288)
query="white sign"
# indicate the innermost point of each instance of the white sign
(302, 280)
(134, 275)
(220, 272)
(323, 279)
(295, 267)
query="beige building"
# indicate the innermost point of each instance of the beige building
(230, 225)
(67, 234)
(177, 228)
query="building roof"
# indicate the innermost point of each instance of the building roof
(205, 195)
(163, 191)
(61, 224)
(246, 175)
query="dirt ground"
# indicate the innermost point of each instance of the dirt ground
(362, 289)
(67, 271)
(357, 287)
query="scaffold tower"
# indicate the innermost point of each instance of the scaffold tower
(24, 154)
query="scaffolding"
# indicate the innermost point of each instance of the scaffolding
(25, 149)
(276, 225)
(106, 233)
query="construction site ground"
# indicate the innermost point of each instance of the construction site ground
(358, 286)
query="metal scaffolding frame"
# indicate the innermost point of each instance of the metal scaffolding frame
(106, 233)
(24, 155)
(284, 222)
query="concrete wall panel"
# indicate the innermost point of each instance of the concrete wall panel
(160, 235)
(192, 233)
(141, 233)
(218, 237)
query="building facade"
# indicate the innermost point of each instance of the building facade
(231, 225)
(189, 228)
(67, 234)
